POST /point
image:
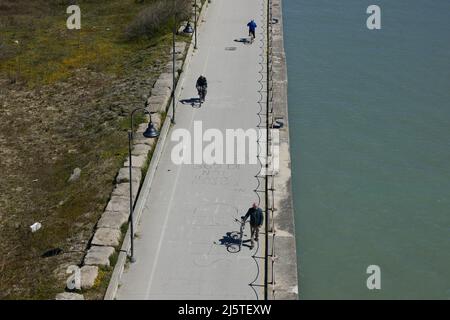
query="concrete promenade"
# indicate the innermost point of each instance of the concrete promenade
(189, 214)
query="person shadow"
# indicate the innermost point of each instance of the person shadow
(244, 40)
(194, 102)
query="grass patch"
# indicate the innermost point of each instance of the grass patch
(100, 286)
(47, 51)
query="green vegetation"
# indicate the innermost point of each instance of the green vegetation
(111, 34)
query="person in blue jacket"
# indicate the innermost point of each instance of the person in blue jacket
(251, 29)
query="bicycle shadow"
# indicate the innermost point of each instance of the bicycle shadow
(232, 242)
(193, 102)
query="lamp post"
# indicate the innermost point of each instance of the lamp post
(150, 132)
(195, 23)
(173, 62)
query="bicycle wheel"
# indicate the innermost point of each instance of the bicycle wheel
(235, 245)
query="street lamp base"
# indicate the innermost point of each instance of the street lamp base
(132, 259)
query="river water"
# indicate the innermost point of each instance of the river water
(369, 116)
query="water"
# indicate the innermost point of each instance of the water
(370, 132)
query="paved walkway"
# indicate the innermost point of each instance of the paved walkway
(191, 208)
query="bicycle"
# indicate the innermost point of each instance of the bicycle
(236, 245)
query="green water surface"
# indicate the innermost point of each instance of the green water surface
(369, 116)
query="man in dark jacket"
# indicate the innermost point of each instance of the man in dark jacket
(256, 220)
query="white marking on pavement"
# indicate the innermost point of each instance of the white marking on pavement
(169, 207)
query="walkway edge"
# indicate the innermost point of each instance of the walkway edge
(146, 186)
(285, 281)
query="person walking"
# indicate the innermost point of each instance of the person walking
(251, 29)
(256, 221)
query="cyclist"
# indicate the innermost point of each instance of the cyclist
(202, 86)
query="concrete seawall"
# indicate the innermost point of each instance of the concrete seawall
(284, 281)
